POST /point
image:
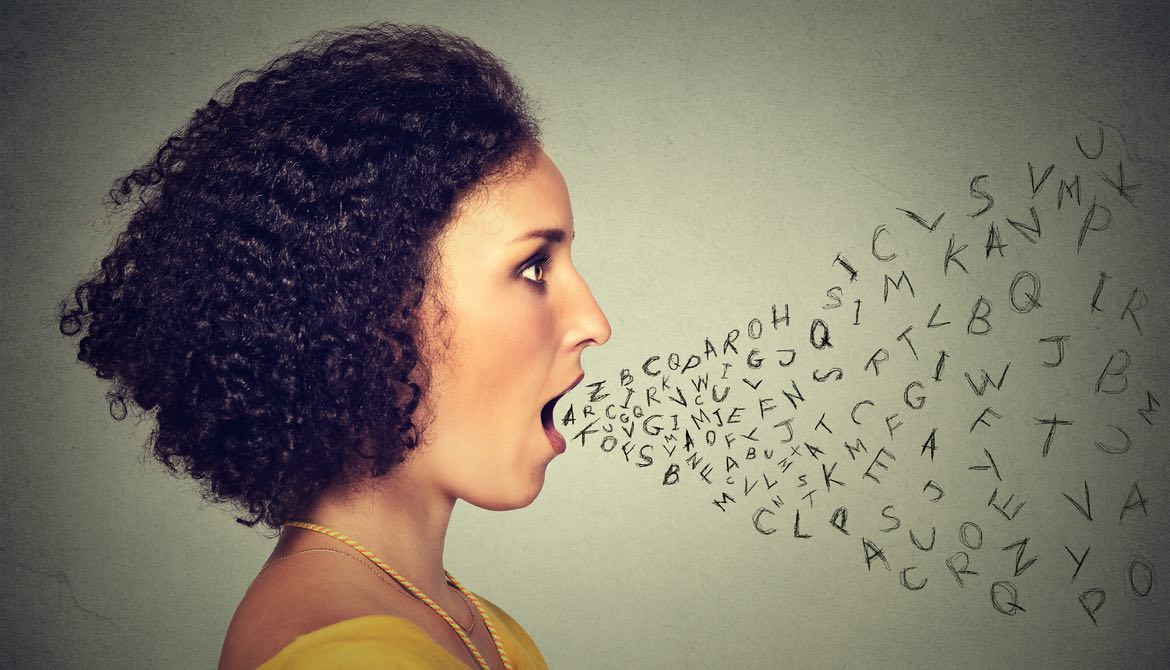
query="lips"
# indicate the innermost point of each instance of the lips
(547, 422)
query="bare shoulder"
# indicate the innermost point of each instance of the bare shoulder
(296, 596)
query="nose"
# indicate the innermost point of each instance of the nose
(588, 325)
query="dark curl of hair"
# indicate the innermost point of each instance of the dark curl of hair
(262, 301)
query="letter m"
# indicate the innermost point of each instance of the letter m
(720, 503)
(897, 285)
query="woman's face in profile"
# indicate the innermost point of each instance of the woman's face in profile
(516, 317)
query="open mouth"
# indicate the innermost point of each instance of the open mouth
(548, 422)
(546, 414)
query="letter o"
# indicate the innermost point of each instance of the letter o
(1133, 587)
(755, 329)
(967, 525)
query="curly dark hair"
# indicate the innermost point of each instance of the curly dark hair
(262, 302)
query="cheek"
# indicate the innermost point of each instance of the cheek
(501, 352)
(516, 362)
(519, 330)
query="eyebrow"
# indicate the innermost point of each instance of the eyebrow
(553, 235)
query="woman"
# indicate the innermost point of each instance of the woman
(345, 295)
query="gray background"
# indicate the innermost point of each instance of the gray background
(719, 159)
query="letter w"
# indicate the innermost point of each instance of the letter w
(982, 387)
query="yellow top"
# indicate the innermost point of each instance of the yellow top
(383, 641)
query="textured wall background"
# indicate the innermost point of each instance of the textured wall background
(720, 160)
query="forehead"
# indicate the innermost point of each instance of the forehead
(535, 198)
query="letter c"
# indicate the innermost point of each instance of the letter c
(756, 521)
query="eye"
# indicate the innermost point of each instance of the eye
(534, 268)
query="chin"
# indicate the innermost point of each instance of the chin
(515, 498)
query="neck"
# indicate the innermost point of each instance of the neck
(393, 516)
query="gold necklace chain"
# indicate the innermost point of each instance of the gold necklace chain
(377, 572)
(417, 593)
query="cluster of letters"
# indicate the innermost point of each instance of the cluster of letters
(798, 417)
